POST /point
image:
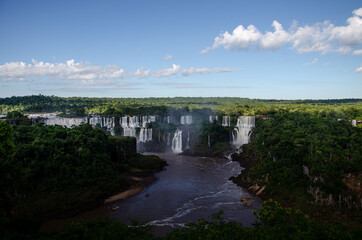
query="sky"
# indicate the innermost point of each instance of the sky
(253, 49)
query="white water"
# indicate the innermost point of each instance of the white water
(131, 123)
(241, 134)
(212, 118)
(188, 140)
(129, 132)
(177, 142)
(186, 119)
(225, 121)
(65, 122)
(145, 134)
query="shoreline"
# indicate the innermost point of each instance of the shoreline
(137, 186)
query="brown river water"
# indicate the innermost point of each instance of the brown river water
(189, 189)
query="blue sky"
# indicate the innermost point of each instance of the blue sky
(255, 49)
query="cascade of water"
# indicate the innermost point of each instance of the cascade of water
(148, 119)
(186, 119)
(94, 120)
(241, 134)
(225, 121)
(212, 118)
(65, 122)
(145, 134)
(123, 121)
(177, 142)
(129, 132)
(134, 122)
(188, 140)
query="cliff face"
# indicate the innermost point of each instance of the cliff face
(312, 197)
(350, 195)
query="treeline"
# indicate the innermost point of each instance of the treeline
(51, 170)
(77, 106)
(306, 160)
(274, 222)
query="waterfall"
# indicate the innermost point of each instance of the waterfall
(186, 119)
(123, 121)
(225, 121)
(212, 118)
(145, 134)
(177, 142)
(134, 122)
(188, 140)
(129, 132)
(104, 122)
(131, 123)
(241, 134)
(65, 122)
(94, 120)
(148, 119)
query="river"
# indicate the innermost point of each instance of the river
(189, 189)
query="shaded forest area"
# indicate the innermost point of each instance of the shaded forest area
(308, 162)
(49, 171)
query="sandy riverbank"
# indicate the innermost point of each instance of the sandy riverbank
(138, 184)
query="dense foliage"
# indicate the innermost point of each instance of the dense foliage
(305, 158)
(50, 169)
(77, 106)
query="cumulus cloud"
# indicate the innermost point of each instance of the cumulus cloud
(167, 58)
(69, 70)
(351, 34)
(359, 70)
(167, 71)
(321, 37)
(88, 74)
(276, 39)
(314, 38)
(239, 39)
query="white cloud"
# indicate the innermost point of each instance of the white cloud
(69, 70)
(350, 34)
(313, 38)
(167, 72)
(167, 58)
(311, 63)
(141, 73)
(88, 74)
(359, 70)
(321, 37)
(357, 52)
(276, 39)
(192, 70)
(239, 39)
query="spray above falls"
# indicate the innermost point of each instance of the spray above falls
(167, 132)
